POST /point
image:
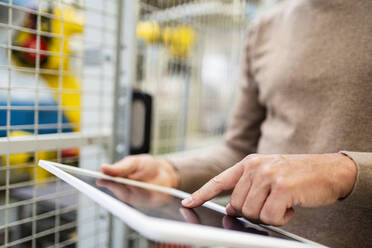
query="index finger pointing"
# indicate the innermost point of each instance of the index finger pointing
(224, 181)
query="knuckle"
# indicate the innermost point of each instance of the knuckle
(267, 172)
(267, 215)
(271, 220)
(249, 212)
(281, 185)
(131, 159)
(252, 159)
(251, 164)
(197, 196)
(265, 219)
(278, 222)
(278, 160)
(200, 195)
(260, 177)
(251, 156)
(217, 182)
(235, 203)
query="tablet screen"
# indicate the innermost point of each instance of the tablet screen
(165, 206)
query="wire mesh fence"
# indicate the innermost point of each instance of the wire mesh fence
(58, 71)
(188, 57)
(56, 87)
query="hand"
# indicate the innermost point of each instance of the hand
(144, 168)
(266, 187)
(228, 222)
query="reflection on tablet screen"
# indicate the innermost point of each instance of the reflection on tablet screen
(165, 206)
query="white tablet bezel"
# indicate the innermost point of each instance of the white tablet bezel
(168, 230)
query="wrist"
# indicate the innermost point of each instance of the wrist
(172, 172)
(348, 174)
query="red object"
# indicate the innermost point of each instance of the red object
(70, 153)
(31, 43)
(170, 246)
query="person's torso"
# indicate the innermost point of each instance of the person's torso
(312, 61)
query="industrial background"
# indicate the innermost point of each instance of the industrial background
(86, 82)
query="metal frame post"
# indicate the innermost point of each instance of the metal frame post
(184, 112)
(125, 76)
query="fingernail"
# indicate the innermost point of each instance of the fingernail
(230, 210)
(187, 202)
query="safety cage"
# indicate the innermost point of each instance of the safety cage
(86, 82)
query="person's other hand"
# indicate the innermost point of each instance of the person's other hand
(144, 168)
(266, 187)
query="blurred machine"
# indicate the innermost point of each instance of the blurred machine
(49, 53)
(179, 40)
(52, 53)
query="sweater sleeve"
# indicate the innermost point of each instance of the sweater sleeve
(361, 194)
(241, 136)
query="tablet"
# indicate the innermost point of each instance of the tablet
(156, 213)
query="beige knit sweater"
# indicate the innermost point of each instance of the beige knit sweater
(306, 88)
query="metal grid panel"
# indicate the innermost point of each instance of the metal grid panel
(57, 72)
(188, 59)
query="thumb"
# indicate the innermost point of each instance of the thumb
(122, 168)
(224, 181)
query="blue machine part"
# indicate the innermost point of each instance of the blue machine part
(27, 117)
(19, 2)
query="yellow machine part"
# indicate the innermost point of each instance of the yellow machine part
(18, 159)
(179, 40)
(148, 31)
(22, 37)
(42, 174)
(72, 24)
(70, 96)
(67, 86)
(27, 158)
(71, 85)
(167, 36)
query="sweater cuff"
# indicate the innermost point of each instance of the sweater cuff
(362, 191)
(191, 175)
